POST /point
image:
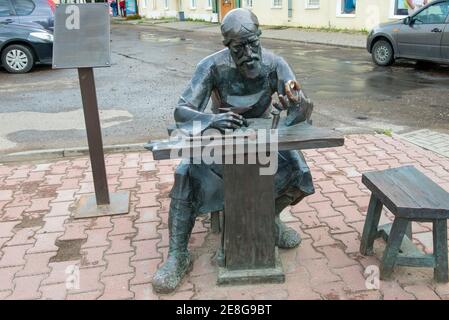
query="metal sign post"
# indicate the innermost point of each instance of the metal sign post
(82, 41)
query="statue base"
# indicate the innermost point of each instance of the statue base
(252, 276)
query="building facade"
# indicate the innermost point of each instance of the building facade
(338, 14)
(207, 10)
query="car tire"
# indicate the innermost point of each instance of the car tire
(17, 58)
(382, 53)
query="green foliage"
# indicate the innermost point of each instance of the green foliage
(199, 20)
(164, 18)
(386, 132)
(334, 29)
(276, 27)
(133, 17)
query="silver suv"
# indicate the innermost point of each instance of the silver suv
(422, 36)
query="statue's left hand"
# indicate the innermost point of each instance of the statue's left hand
(299, 107)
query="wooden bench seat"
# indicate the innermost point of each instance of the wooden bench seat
(410, 196)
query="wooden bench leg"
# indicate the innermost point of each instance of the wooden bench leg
(440, 273)
(370, 227)
(409, 231)
(215, 221)
(394, 243)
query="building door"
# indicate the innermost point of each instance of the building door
(225, 7)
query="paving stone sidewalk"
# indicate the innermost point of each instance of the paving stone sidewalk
(313, 36)
(42, 246)
(428, 139)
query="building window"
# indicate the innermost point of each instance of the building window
(400, 8)
(248, 3)
(277, 3)
(209, 4)
(167, 4)
(312, 4)
(346, 7)
(192, 4)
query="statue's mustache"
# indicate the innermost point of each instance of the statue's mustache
(248, 59)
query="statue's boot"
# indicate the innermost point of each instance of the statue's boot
(286, 237)
(179, 261)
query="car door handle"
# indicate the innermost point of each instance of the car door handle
(436, 30)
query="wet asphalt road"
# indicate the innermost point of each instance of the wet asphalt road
(152, 65)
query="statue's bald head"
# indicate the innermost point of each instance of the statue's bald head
(239, 23)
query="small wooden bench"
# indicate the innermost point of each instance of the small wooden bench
(410, 196)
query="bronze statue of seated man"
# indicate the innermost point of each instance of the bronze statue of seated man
(241, 78)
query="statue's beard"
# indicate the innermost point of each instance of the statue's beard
(250, 67)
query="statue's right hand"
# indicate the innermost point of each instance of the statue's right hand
(228, 120)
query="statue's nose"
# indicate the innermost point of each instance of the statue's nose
(247, 50)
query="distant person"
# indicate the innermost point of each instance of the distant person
(414, 5)
(122, 5)
(114, 8)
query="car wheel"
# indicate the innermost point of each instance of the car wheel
(383, 53)
(17, 58)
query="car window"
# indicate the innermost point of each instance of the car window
(435, 14)
(5, 9)
(23, 7)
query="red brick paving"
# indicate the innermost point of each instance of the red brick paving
(117, 256)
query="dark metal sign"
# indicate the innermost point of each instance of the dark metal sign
(82, 41)
(82, 36)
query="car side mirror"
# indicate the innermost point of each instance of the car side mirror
(408, 21)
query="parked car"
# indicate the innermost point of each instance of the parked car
(422, 36)
(22, 46)
(40, 12)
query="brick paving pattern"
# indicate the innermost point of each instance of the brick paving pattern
(428, 139)
(41, 244)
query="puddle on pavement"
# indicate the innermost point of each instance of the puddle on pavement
(30, 221)
(30, 187)
(164, 189)
(69, 250)
(47, 192)
(13, 123)
(149, 175)
(299, 51)
(147, 36)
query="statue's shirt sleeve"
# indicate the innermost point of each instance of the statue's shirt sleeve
(198, 91)
(194, 100)
(284, 74)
